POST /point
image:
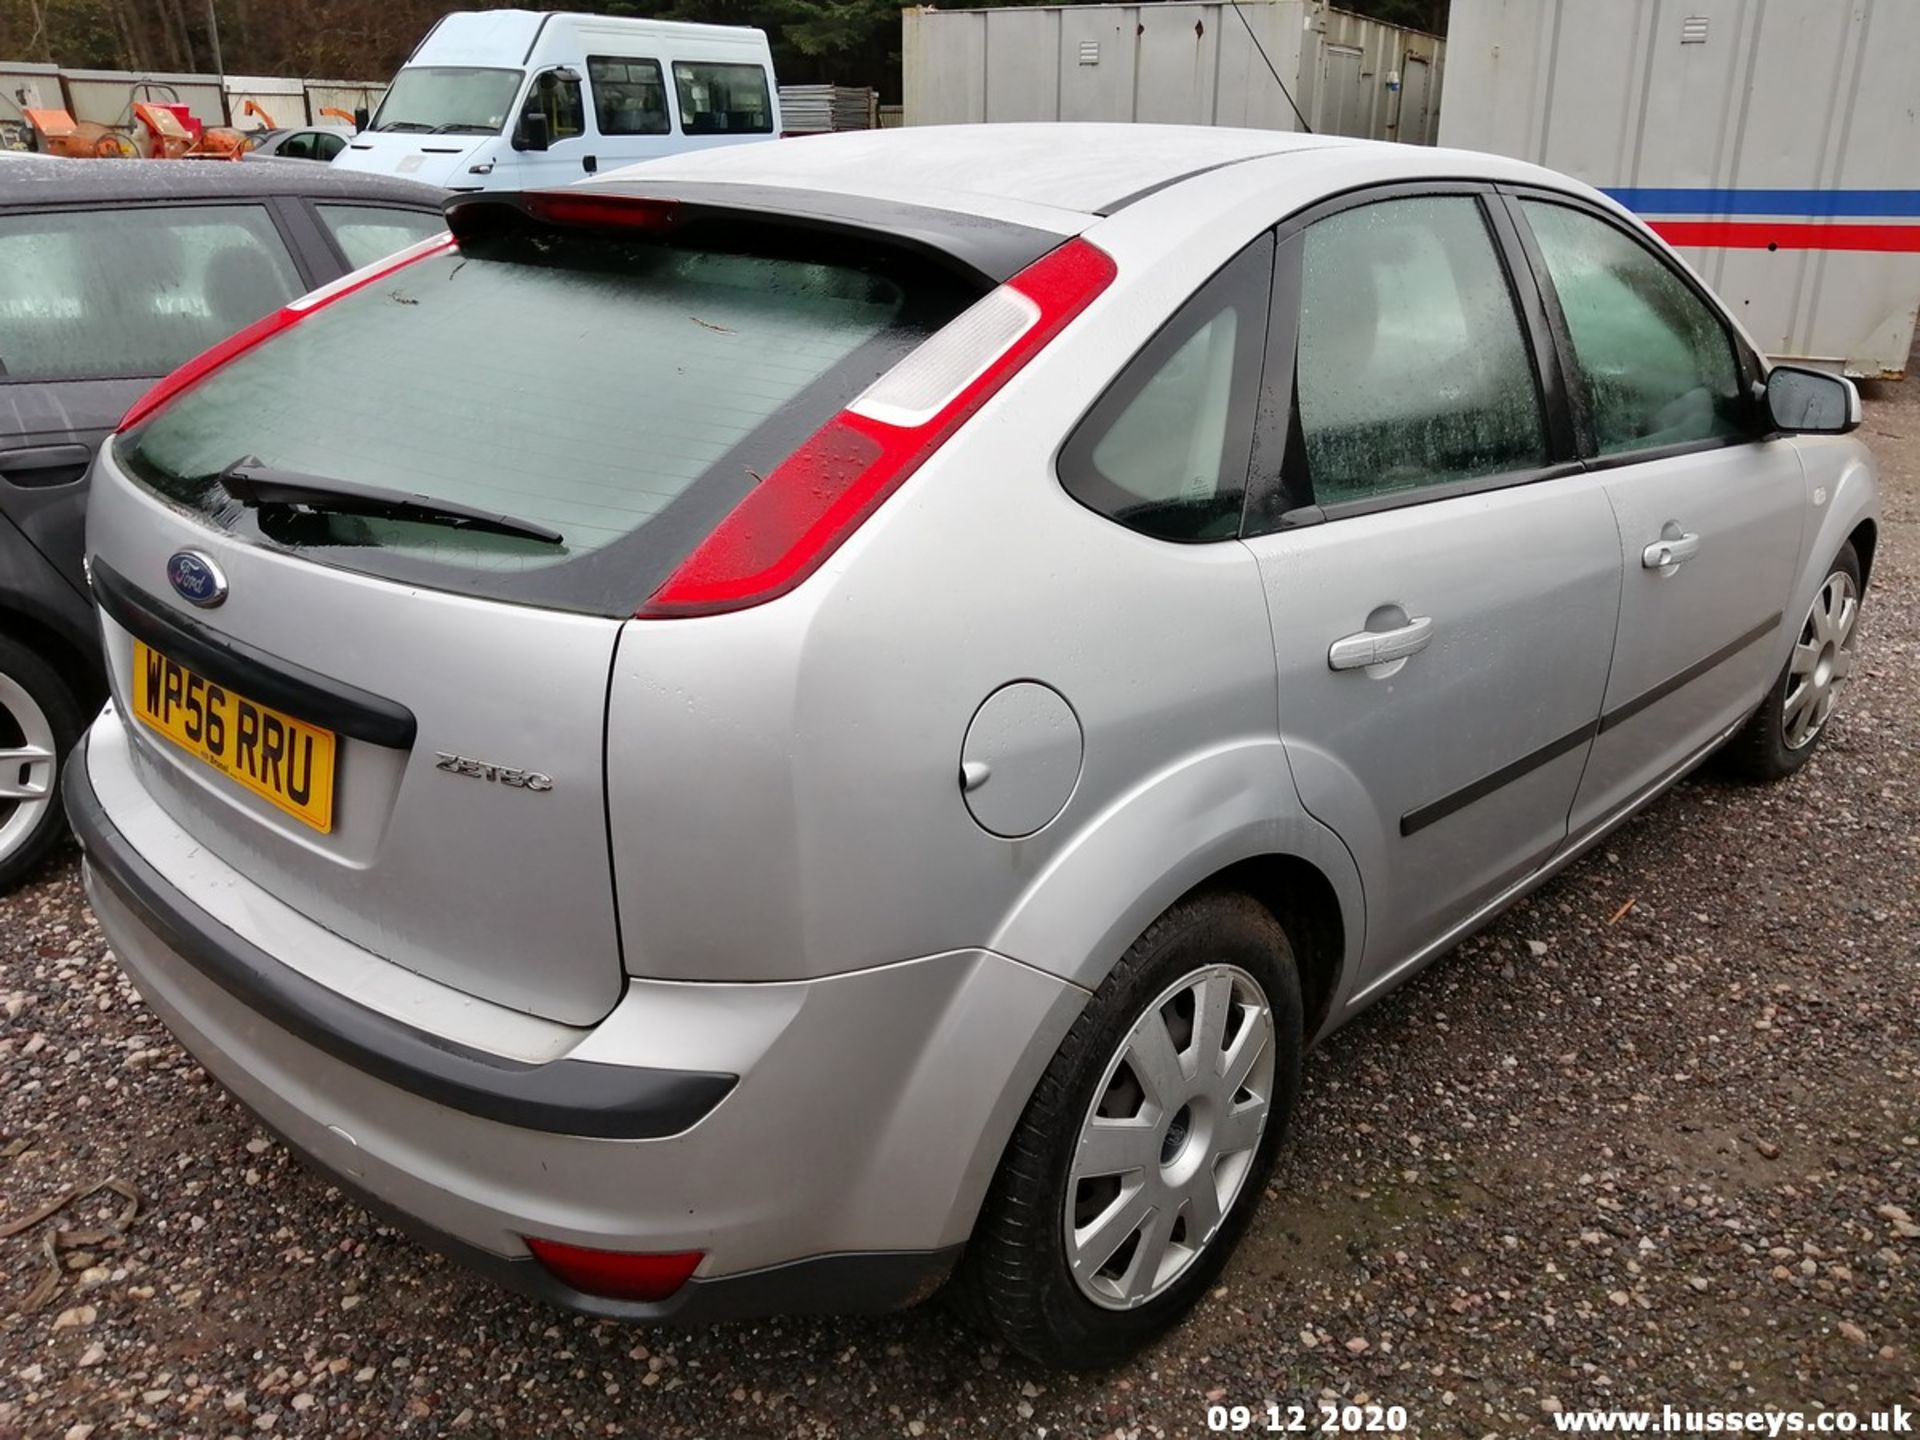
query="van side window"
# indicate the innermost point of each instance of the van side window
(560, 101)
(629, 96)
(722, 99)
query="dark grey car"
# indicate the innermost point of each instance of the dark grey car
(112, 274)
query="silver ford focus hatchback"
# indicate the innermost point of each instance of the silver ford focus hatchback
(827, 714)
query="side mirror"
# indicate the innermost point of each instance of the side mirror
(531, 133)
(360, 117)
(1811, 402)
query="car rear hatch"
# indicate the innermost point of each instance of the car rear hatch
(363, 573)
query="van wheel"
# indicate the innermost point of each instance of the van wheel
(39, 723)
(1147, 1143)
(1788, 726)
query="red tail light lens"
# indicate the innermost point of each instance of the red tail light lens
(272, 323)
(616, 1274)
(819, 495)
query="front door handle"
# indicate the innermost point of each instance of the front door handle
(590, 164)
(1665, 554)
(1381, 647)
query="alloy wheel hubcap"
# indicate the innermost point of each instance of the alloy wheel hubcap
(1822, 660)
(1170, 1137)
(26, 765)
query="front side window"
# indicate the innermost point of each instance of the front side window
(1658, 365)
(366, 233)
(298, 146)
(1165, 450)
(1412, 369)
(133, 291)
(629, 96)
(722, 99)
(448, 100)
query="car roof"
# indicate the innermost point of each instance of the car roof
(1048, 175)
(64, 182)
(1078, 168)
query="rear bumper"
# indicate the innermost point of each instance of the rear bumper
(563, 1096)
(837, 1166)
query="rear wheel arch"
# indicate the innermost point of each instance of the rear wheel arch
(1300, 896)
(76, 667)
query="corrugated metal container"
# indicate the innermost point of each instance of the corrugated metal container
(1777, 144)
(1192, 62)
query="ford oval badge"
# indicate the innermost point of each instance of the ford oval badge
(197, 579)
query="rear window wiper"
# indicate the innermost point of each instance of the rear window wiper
(253, 483)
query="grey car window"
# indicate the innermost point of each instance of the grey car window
(629, 96)
(371, 232)
(133, 291)
(325, 146)
(1659, 367)
(1412, 369)
(1165, 450)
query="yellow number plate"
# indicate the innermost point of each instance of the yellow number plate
(283, 760)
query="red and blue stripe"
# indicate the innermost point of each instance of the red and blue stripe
(1887, 221)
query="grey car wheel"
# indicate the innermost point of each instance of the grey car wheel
(1790, 723)
(39, 723)
(1170, 1137)
(1822, 660)
(1146, 1145)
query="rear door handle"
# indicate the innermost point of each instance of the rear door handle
(44, 466)
(1380, 647)
(1665, 554)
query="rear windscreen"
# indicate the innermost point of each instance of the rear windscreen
(621, 391)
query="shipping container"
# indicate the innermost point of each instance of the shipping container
(1191, 62)
(1777, 145)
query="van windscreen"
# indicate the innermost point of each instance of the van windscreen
(620, 391)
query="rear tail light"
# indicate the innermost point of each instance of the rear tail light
(272, 323)
(616, 1274)
(789, 524)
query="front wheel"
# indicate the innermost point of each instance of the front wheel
(39, 723)
(1790, 722)
(1148, 1142)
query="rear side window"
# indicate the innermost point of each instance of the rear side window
(1658, 365)
(623, 392)
(133, 291)
(629, 96)
(1411, 368)
(722, 99)
(1165, 450)
(366, 233)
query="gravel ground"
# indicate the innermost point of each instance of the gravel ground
(1593, 1159)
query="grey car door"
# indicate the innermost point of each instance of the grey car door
(1710, 509)
(1442, 576)
(95, 305)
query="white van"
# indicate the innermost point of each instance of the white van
(516, 99)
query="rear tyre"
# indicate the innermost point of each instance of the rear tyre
(1147, 1143)
(39, 724)
(1790, 723)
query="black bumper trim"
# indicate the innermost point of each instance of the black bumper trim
(561, 1097)
(318, 699)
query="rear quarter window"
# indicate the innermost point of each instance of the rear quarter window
(623, 392)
